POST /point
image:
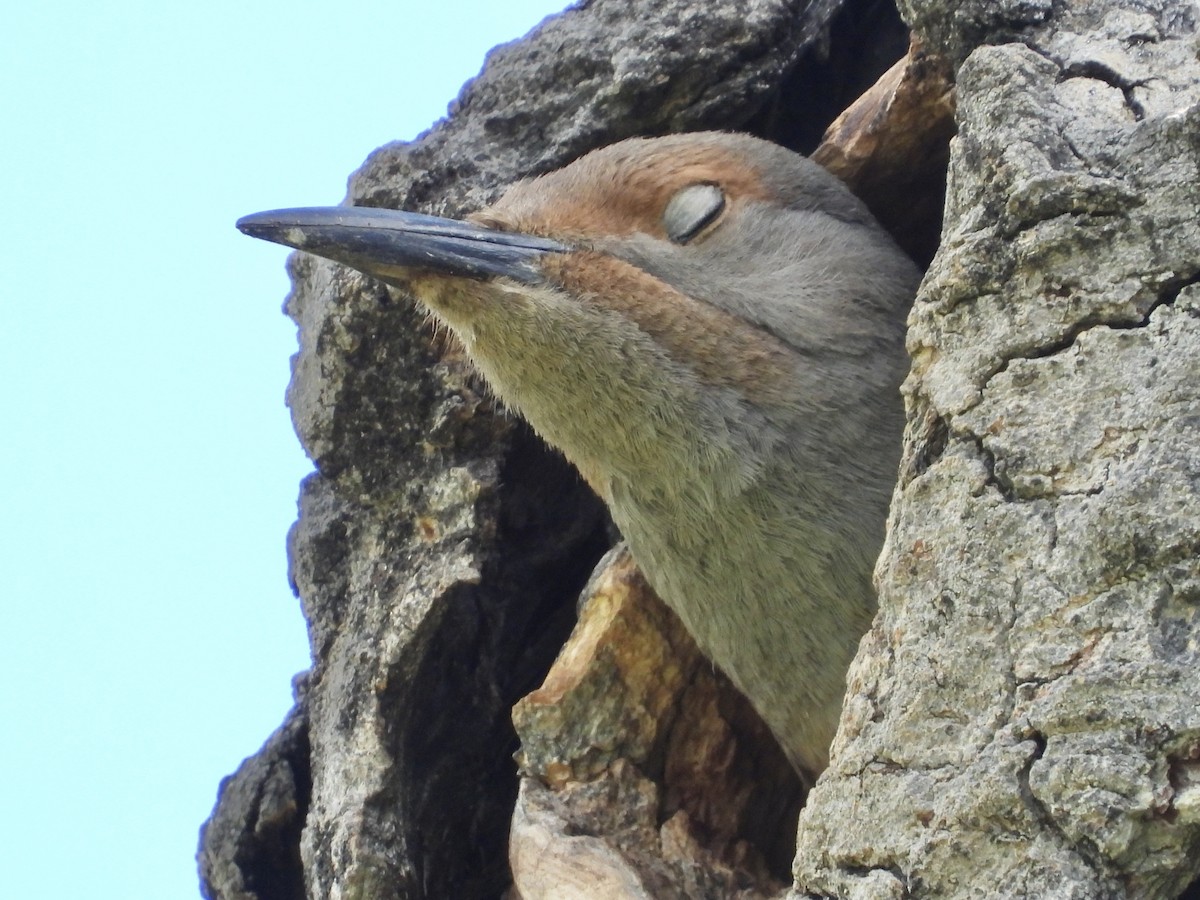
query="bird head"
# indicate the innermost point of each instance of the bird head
(682, 301)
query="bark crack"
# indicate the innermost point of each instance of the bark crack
(1167, 293)
(1098, 71)
(1092, 858)
(938, 428)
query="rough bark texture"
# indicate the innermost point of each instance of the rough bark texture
(1022, 720)
(250, 847)
(645, 774)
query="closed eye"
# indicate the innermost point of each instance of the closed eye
(691, 210)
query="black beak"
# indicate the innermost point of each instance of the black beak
(390, 243)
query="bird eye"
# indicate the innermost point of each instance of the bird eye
(691, 209)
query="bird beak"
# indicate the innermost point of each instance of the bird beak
(388, 244)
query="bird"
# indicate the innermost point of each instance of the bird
(710, 327)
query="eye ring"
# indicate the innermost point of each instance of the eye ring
(691, 210)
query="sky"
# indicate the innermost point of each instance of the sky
(150, 469)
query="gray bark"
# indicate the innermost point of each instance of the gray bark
(1024, 718)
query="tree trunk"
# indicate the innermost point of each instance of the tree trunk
(1023, 720)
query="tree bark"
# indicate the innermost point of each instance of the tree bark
(1023, 719)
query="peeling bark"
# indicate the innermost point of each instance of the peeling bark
(643, 768)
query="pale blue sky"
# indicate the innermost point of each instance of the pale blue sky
(149, 466)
